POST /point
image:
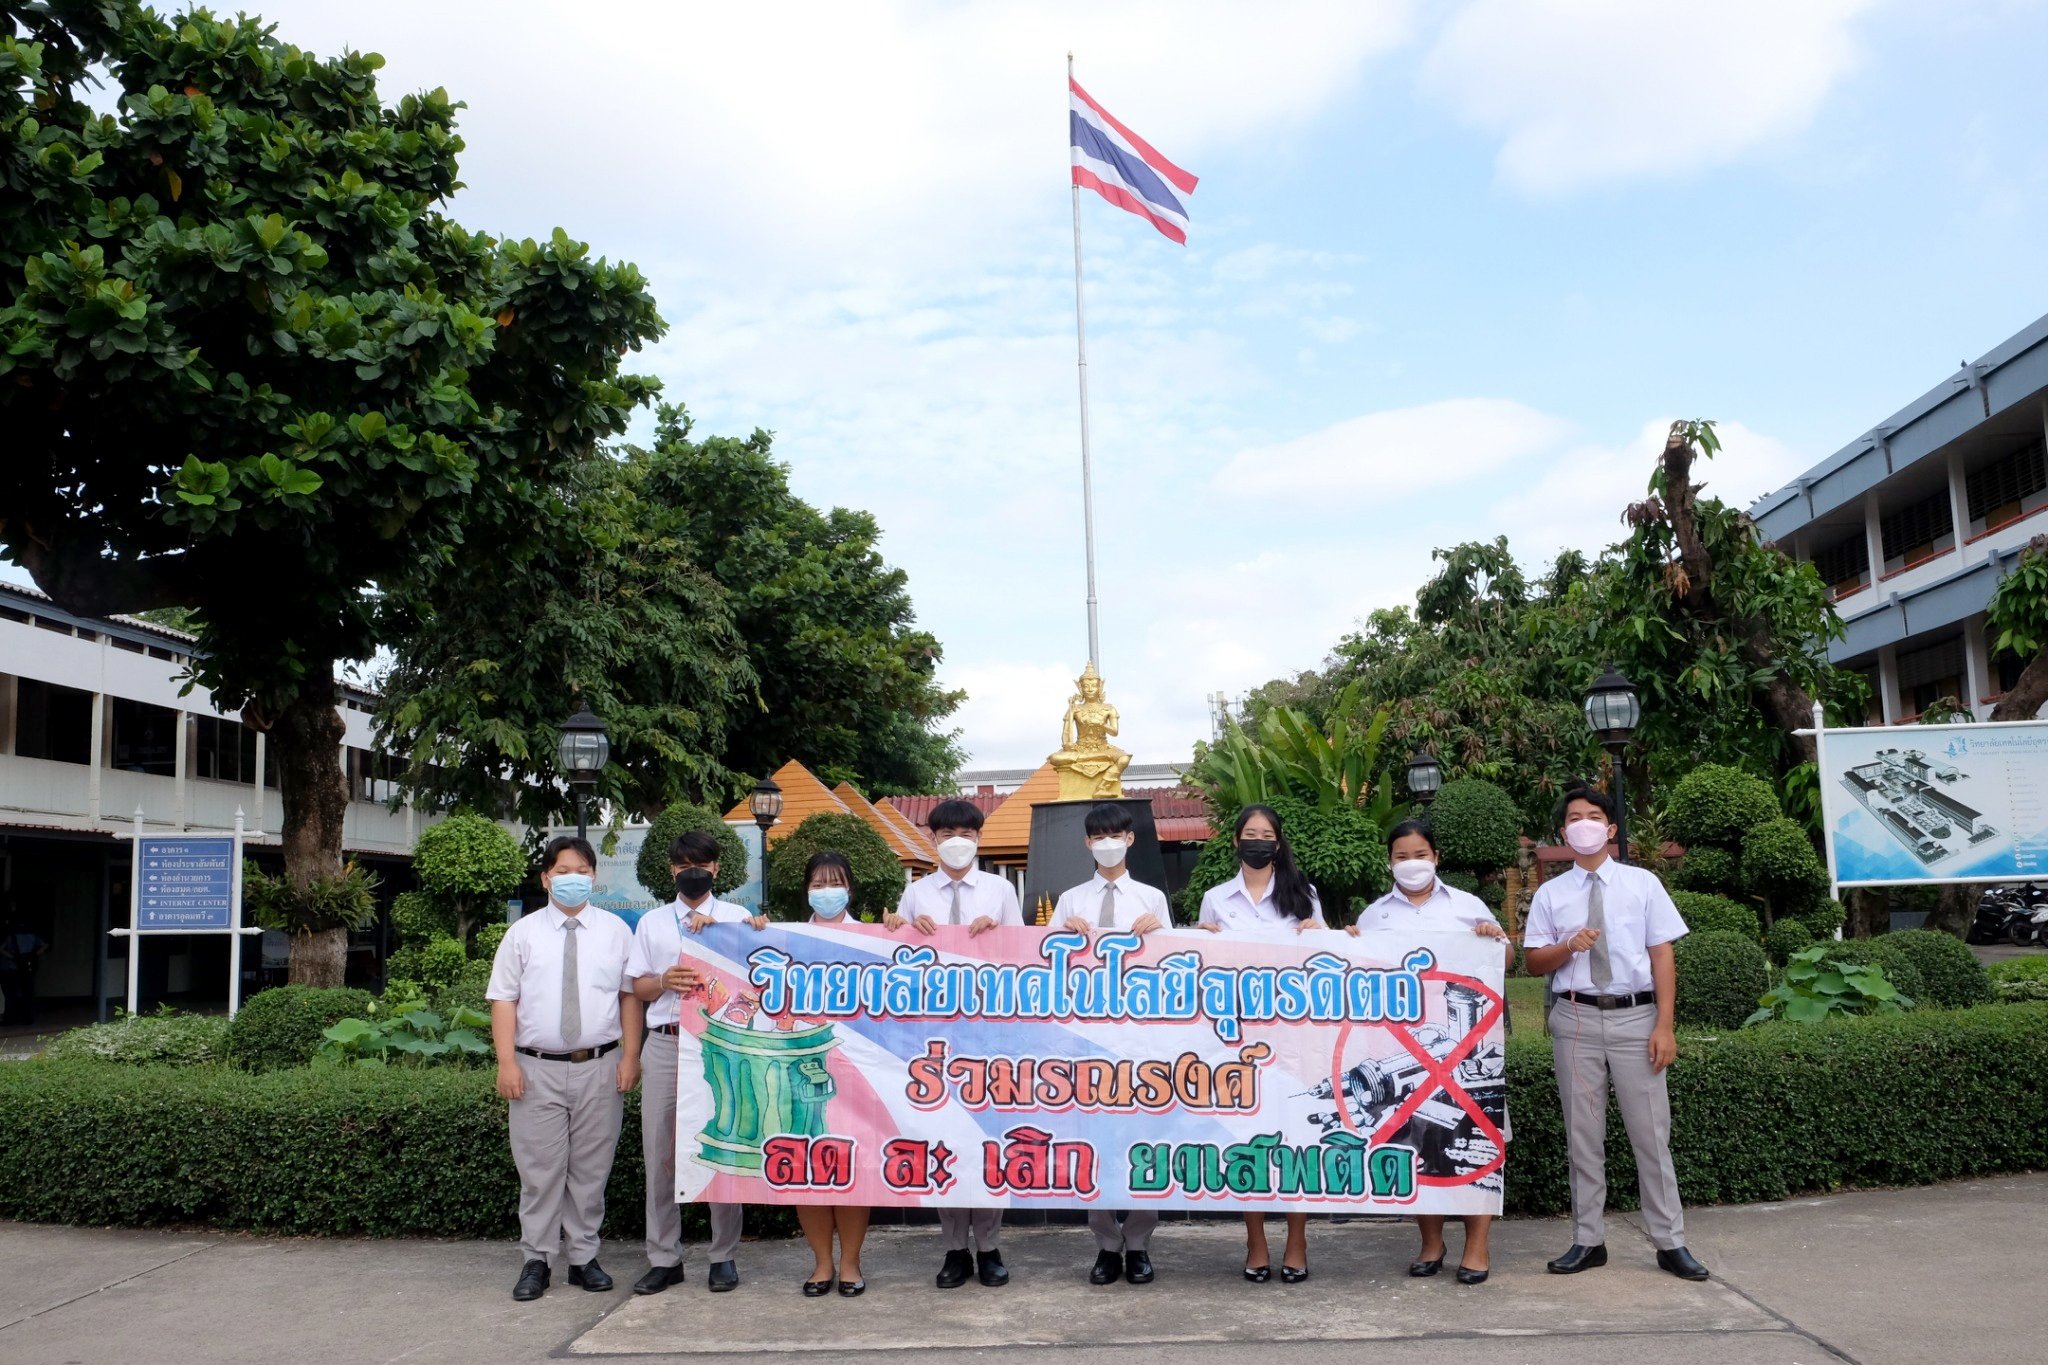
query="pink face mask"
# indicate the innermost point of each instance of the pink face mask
(1586, 837)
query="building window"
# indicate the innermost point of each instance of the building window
(1932, 675)
(2002, 493)
(145, 738)
(2006, 668)
(226, 750)
(1913, 535)
(372, 776)
(1845, 565)
(52, 722)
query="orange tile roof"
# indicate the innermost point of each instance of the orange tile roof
(1007, 833)
(802, 796)
(918, 838)
(906, 849)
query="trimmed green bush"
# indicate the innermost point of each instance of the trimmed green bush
(1459, 878)
(1824, 918)
(147, 1040)
(1713, 871)
(681, 818)
(1785, 938)
(1779, 864)
(878, 877)
(1702, 911)
(1955, 978)
(417, 917)
(1717, 806)
(441, 962)
(469, 862)
(1476, 825)
(487, 940)
(1899, 968)
(2020, 978)
(1720, 977)
(281, 1027)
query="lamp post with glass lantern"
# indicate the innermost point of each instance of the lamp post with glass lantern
(1613, 710)
(1424, 775)
(766, 803)
(582, 752)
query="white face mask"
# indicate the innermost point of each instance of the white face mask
(958, 852)
(1412, 874)
(1586, 837)
(1109, 852)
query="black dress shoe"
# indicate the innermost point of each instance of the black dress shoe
(956, 1270)
(591, 1276)
(1109, 1268)
(533, 1281)
(989, 1269)
(852, 1289)
(1579, 1258)
(1467, 1275)
(1681, 1263)
(723, 1275)
(1289, 1275)
(1422, 1270)
(658, 1278)
(1138, 1267)
(818, 1289)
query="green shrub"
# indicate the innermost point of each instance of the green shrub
(281, 1028)
(417, 1037)
(1785, 938)
(1824, 918)
(1779, 864)
(1459, 878)
(681, 818)
(1494, 895)
(470, 866)
(1815, 988)
(1710, 870)
(1716, 806)
(417, 917)
(1899, 968)
(147, 1040)
(405, 963)
(1214, 865)
(466, 991)
(1476, 826)
(487, 940)
(441, 962)
(1702, 911)
(878, 877)
(2020, 978)
(1954, 978)
(1720, 977)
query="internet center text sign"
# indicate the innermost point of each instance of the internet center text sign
(1936, 803)
(1181, 1070)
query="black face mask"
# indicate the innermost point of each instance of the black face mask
(694, 883)
(1257, 853)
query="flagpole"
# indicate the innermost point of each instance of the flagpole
(1087, 473)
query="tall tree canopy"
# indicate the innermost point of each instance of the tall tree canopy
(248, 367)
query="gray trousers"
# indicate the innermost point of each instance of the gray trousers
(658, 1149)
(564, 1134)
(1591, 1047)
(1133, 1234)
(986, 1223)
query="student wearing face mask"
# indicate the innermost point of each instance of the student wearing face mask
(1268, 893)
(1113, 901)
(959, 893)
(661, 979)
(567, 1034)
(828, 888)
(1420, 900)
(1602, 932)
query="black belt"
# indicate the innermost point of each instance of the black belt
(1610, 1002)
(664, 1028)
(581, 1054)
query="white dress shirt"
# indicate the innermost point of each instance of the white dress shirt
(1639, 916)
(982, 894)
(1233, 906)
(1445, 906)
(527, 970)
(658, 944)
(1134, 900)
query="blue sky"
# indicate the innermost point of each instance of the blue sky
(1451, 269)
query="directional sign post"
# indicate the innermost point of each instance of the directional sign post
(186, 884)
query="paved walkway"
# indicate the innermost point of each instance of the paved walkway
(1950, 1272)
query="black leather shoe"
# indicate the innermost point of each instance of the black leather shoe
(955, 1272)
(818, 1289)
(1138, 1267)
(658, 1278)
(1109, 1268)
(591, 1276)
(723, 1275)
(852, 1289)
(1681, 1263)
(1579, 1258)
(533, 1281)
(989, 1269)
(1422, 1270)
(1467, 1275)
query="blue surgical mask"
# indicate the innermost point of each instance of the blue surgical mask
(571, 890)
(829, 902)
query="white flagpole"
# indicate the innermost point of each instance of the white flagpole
(1087, 474)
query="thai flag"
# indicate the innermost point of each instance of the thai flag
(1125, 169)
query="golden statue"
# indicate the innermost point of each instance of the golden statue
(1090, 767)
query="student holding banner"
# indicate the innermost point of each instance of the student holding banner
(828, 889)
(1269, 892)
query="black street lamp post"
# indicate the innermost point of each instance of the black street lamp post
(1613, 710)
(766, 803)
(1425, 775)
(582, 752)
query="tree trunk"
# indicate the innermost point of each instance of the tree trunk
(1955, 907)
(306, 737)
(1870, 912)
(2023, 699)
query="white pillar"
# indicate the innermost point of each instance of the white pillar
(1958, 499)
(1977, 666)
(260, 805)
(1873, 530)
(96, 744)
(181, 769)
(1888, 682)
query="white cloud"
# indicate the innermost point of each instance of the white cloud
(1384, 454)
(1584, 91)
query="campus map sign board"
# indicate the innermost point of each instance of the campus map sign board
(1183, 1070)
(1936, 803)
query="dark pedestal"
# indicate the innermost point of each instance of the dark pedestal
(1059, 849)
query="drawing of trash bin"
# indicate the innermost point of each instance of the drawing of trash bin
(762, 1084)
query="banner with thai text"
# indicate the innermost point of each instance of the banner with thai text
(1033, 1068)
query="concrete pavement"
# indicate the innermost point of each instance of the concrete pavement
(1948, 1272)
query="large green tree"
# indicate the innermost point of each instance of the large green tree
(249, 367)
(2018, 619)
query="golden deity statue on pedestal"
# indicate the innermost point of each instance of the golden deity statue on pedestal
(1090, 767)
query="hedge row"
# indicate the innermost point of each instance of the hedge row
(1766, 1113)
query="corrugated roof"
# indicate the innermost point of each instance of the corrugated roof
(1184, 829)
(918, 809)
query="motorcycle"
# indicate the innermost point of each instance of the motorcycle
(2014, 912)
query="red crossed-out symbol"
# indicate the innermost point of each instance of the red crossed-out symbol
(1439, 1072)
